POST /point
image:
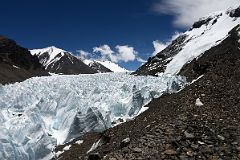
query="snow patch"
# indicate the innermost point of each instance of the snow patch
(198, 102)
(79, 142)
(94, 146)
(16, 67)
(58, 153)
(193, 81)
(67, 147)
(87, 61)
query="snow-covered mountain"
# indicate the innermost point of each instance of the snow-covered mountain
(206, 33)
(97, 66)
(56, 60)
(113, 66)
(107, 64)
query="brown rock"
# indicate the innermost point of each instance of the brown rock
(190, 153)
(170, 152)
(137, 150)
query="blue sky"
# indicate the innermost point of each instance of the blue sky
(84, 24)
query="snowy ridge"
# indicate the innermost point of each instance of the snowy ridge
(54, 54)
(203, 38)
(51, 55)
(108, 64)
(41, 112)
(206, 33)
(112, 66)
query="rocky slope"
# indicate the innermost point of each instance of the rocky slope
(199, 122)
(56, 60)
(16, 62)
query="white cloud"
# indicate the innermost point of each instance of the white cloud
(139, 59)
(159, 46)
(106, 53)
(123, 53)
(104, 49)
(188, 11)
(83, 54)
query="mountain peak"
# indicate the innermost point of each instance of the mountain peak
(57, 60)
(54, 48)
(51, 50)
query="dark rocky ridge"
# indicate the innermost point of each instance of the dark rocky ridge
(199, 23)
(16, 62)
(174, 127)
(205, 21)
(235, 12)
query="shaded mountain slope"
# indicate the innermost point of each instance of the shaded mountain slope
(16, 62)
(200, 122)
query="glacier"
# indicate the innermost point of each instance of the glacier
(42, 112)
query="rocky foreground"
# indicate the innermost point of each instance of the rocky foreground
(201, 121)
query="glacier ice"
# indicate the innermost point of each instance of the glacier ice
(41, 112)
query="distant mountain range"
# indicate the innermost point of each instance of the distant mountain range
(18, 63)
(59, 61)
